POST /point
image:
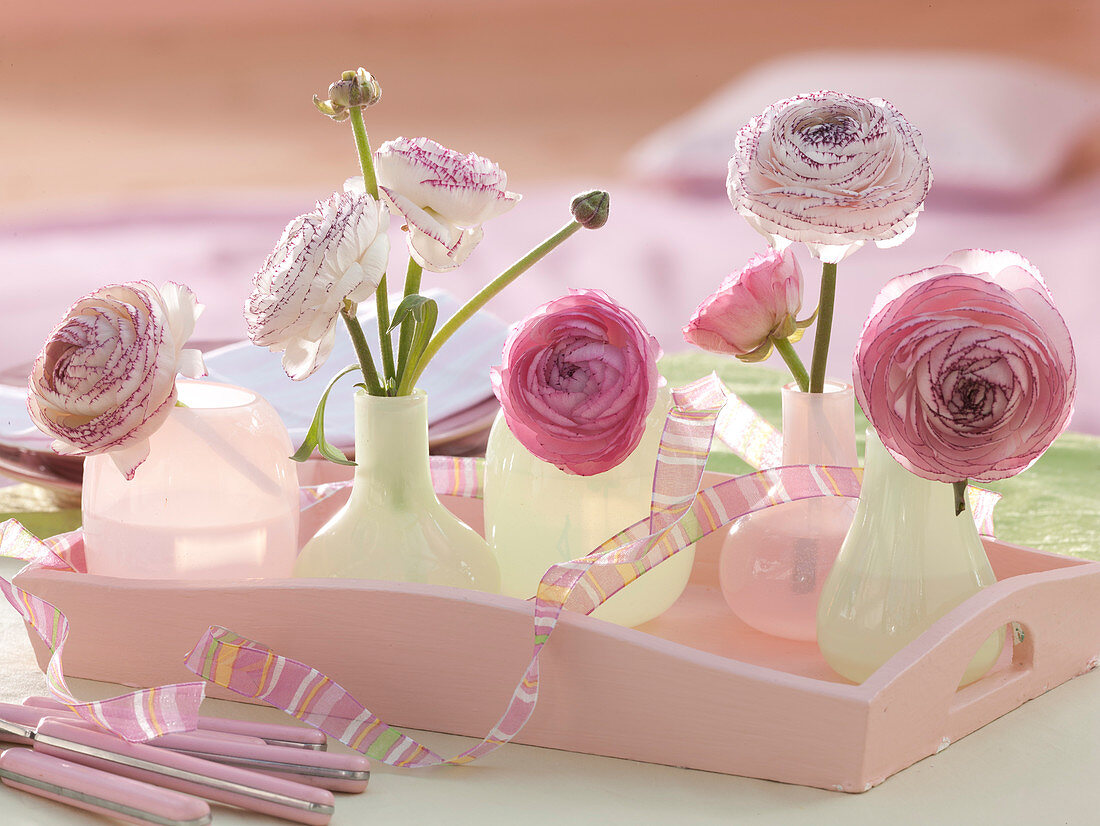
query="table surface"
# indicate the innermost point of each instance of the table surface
(1038, 764)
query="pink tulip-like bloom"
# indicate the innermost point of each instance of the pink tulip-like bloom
(106, 378)
(750, 308)
(579, 377)
(334, 254)
(966, 370)
(442, 196)
(832, 171)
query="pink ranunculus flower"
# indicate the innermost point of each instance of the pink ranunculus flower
(334, 254)
(579, 376)
(750, 308)
(832, 171)
(106, 377)
(966, 370)
(442, 196)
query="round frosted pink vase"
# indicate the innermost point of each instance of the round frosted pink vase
(216, 499)
(774, 562)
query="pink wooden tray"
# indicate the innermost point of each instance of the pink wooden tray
(693, 688)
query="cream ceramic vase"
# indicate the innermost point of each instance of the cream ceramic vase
(217, 498)
(537, 515)
(774, 562)
(907, 561)
(393, 526)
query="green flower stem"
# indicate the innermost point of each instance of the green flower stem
(412, 287)
(824, 328)
(370, 182)
(382, 301)
(366, 157)
(362, 350)
(798, 369)
(960, 495)
(408, 381)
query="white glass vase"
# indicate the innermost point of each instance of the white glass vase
(393, 526)
(907, 561)
(774, 562)
(217, 498)
(537, 515)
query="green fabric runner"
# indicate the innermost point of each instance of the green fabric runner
(1053, 506)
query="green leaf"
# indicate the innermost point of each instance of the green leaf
(759, 354)
(414, 305)
(315, 436)
(806, 322)
(426, 315)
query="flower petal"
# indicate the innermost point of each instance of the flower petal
(579, 377)
(335, 253)
(963, 376)
(830, 170)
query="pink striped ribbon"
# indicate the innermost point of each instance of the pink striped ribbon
(680, 514)
(137, 716)
(748, 434)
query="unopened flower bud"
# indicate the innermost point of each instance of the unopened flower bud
(358, 88)
(354, 90)
(590, 208)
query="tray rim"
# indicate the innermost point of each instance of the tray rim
(1069, 568)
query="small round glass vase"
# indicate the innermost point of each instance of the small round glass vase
(217, 498)
(774, 562)
(537, 515)
(907, 561)
(393, 526)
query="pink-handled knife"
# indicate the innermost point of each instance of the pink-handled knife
(336, 772)
(273, 733)
(235, 786)
(121, 798)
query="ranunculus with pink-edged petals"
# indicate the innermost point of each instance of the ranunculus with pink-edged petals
(750, 308)
(830, 170)
(966, 370)
(336, 253)
(578, 379)
(106, 377)
(442, 196)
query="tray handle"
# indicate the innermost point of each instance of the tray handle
(1056, 612)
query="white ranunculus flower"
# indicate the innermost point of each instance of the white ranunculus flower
(106, 378)
(337, 252)
(832, 171)
(442, 196)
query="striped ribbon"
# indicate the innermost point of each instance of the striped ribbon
(749, 435)
(137, 716)
(680, 514)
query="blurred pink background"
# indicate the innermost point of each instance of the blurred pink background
(173, 141)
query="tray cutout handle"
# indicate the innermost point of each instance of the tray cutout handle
(1003, 678)
(1055, 610)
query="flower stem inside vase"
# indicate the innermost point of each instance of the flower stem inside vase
(774, 562)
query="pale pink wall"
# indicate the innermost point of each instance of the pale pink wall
(112, 99)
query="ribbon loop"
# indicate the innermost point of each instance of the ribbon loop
(137, 716)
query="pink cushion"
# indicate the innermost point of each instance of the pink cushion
(992, 126)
